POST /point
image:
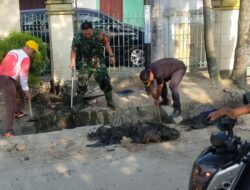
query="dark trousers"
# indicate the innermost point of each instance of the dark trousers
(174, 87)
(13, 99)
(164, 94)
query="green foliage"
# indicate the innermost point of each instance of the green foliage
(16, 40)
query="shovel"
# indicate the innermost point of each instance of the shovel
(31, 116)
(72, 88)
(72, 122)
(158, 113)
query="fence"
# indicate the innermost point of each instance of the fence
(183, 35)
(126, 40)
(35, 22)
(189, 39)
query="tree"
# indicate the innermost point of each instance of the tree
(241, 51)
(212, 65)
(16, 40)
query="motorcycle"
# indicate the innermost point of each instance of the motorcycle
(225, 165)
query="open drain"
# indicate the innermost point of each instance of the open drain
(54, 114)
(149, 132)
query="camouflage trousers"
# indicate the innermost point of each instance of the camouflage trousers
(100, 73)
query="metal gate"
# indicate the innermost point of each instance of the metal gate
(126, 40)
(182, 35)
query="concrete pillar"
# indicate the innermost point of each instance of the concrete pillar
(157, 41)
(9, 22)
(61, 33)
(147, 33)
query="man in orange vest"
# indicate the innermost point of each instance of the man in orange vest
(14, 71)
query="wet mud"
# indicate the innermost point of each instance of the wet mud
(149, 132)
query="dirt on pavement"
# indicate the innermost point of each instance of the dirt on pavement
(63, 160)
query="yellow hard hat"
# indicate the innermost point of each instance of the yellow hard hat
(33, 45)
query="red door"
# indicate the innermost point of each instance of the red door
(112, 8)
(31, 4)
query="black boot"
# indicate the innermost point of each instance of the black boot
(109, 99)
(176, 112)
(78, 103)
(165, 103)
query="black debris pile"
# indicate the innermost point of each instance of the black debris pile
(199, 121)
(125, 92)
(150, 132)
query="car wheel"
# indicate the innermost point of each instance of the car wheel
(136, 56)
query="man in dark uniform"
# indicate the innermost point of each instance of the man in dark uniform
(164, 70)
(87, 56)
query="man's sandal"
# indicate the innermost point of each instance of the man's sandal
(8, 133)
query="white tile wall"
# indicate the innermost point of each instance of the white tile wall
(225, 37)
(226, 63)
(227, 52)
(225, 40)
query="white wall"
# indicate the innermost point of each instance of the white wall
(226, 24)
(183, 5)
(91, 4)
(10, 16)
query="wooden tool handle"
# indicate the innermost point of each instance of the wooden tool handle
(30, 108)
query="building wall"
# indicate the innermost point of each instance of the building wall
(129, 11)
(181, 5)
(226, 4)
(133, 12)
(36, 4)
(226, 24)
(31, 4)
(91, 4)
(112, 8)
(11, 21)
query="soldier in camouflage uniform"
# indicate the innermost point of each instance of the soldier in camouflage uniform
(87, 56)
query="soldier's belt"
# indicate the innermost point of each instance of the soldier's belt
(92, 59)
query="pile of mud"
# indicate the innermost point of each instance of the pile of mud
(199, 121)
(150, 132)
